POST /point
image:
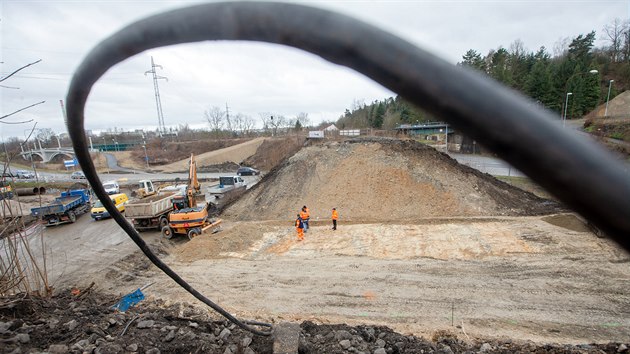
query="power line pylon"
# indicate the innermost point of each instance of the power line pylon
(158, 101)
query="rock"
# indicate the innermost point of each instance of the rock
(444, 349)
(249, 350)
(345, 344)
(380, 351)
(193, 324)
(15, 324)
(341, 335)
(170, 336)
(109, 348)
(228, 350)
(58, 349)
(52, 323)
(246, 342)
(224, 334)
(112, 321)
(132, 347)
(153, 351)
(382, 334)
(145, 324)
(622, 348)
(485, 347)
(71, 325)
(4, 327)
(170, 328)
(23, 338)
(380, 343)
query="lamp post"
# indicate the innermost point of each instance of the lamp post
(146, 157)
(566, 102)
(608, 97)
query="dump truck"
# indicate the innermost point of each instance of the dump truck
(65, 208)
(150, 212)
(229, 188)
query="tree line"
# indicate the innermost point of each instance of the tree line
(576, 69)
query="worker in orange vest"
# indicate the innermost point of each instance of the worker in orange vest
(306, 216)
(335, 216)
(299, 226)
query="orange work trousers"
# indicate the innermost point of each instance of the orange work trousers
(300, 232)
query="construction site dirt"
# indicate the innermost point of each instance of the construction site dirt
(424, 246)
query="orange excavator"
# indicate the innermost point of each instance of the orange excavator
(188, 217)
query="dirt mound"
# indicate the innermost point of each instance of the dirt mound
(617, 106)
(381, 179)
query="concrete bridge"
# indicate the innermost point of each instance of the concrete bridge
(47, 154)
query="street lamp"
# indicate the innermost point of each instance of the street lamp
(566, 102)
(608, 98)
(146, 157)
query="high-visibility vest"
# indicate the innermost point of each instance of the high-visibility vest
(335, 216)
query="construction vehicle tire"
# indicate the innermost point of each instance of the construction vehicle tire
(167, 232)
(194, 232)
(163, 222)
(72, 216)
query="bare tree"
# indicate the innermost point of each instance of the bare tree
(215, 117)
(265, 118)
(23, 108)
(614, 34)
(44, 135)
(248, 124)
(561, 47)
(303, 118)
(278, 121)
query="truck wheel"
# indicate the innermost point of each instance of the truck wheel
(72, 216)
(167, 232)
(194, 232)
(163, 222)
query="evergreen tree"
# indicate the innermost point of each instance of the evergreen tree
(473, 60)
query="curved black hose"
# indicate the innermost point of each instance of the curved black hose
(582, 175)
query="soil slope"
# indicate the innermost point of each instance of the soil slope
(379, 179)
(236, 154)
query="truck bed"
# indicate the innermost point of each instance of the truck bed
(149, 207)
(60, 205)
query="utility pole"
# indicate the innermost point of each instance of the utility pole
(158, 102)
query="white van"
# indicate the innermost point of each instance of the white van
(111, 187)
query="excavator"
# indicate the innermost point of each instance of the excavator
(189, 218)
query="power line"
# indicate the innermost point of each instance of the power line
(158, 101)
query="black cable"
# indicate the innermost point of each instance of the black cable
(581, 174)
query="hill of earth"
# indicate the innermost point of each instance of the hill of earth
(381, 179)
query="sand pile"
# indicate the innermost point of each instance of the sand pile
(380, 179)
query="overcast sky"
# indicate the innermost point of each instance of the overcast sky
(251, 78)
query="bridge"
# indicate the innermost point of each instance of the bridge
(428, 128)
(47, 154)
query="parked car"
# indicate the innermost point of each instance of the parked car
(24, 174)
(111, 187)
(77, 175)
(247, 171)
